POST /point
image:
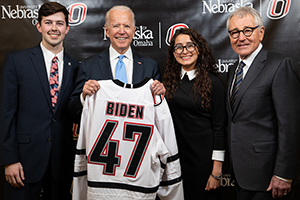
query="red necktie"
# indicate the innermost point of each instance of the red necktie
(54, 82)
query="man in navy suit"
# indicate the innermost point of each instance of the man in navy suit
(263, 111)
(120, 28)
(36, 133)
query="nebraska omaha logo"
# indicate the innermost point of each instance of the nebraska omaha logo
(77, 13)
(278, 9)
(171, 31)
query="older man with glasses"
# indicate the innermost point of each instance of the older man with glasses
(263, 112)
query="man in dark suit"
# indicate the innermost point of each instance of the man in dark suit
(120, 28)
(36, 132)
(263, 111)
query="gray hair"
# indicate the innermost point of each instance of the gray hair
(119, 7)
(242, 12)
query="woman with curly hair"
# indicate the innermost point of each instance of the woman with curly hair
(196, 98)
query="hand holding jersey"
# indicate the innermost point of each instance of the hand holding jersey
(126, 146)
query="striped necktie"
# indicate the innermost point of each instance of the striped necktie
(121, 70)
(54, 82)
(237, 83)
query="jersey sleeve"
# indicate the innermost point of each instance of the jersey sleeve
(80, 164)
(171, 183)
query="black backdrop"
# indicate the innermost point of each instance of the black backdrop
(156, 20)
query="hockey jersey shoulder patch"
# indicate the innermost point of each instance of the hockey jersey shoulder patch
(158, 99)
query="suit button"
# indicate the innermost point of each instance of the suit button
(49, 140)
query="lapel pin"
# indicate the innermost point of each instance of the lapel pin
(139, 63)
(69, 64)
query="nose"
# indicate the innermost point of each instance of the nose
(241, 36)
(53, 27)
(122, 29)
(185, 50)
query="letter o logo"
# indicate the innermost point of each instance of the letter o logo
(77, 14)
(171, 31)
(278, 8)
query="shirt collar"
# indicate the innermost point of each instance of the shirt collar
(248, 61)
(48, 55)
(191, 74)
(114, 54)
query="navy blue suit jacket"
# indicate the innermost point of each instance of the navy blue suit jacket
(30, 132)
(98, 68)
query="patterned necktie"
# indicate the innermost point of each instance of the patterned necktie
(237, 83)
(121, 70)
(54, 82)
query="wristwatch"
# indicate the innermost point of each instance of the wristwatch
(217, 177)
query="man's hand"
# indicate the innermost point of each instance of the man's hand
(90, 87)
(158, 88)
(279, 187)
(14, 174)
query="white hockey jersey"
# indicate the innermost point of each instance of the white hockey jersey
(126, 147)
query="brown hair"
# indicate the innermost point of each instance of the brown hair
(205, 64)
(50, 8)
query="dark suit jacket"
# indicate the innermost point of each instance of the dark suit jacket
(98, 68)
(30, 132)
(264, 125)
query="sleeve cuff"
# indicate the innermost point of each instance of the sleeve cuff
(218, 155)
(284, 179)
(81, 99)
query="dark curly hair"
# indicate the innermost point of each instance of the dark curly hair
(205, 64)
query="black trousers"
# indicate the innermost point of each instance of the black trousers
(243, 194)
(46, 189)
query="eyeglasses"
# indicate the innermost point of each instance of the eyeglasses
(190, 47)
(246, 31)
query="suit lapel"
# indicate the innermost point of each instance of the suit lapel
(104, 65)
(38, 62)
(65, 79)
(137, 66)
(254, 70)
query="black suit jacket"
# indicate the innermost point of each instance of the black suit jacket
(264, 125)
(30, 132)
(98, 68)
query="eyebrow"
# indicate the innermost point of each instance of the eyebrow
(241, 29)
(49, 20)
(186, 43)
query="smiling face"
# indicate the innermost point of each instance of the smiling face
(53, 29)
(120, 30)
(244, 46)
(187, 59)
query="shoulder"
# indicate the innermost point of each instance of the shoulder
(92, 60)
(26, 51)
(216, 81)
(278, 60)
(23, 56)
(215, 78)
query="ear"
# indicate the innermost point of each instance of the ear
(261, 33)
(106, 31)
(39, 28)
(67, 30)
(133, 32)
